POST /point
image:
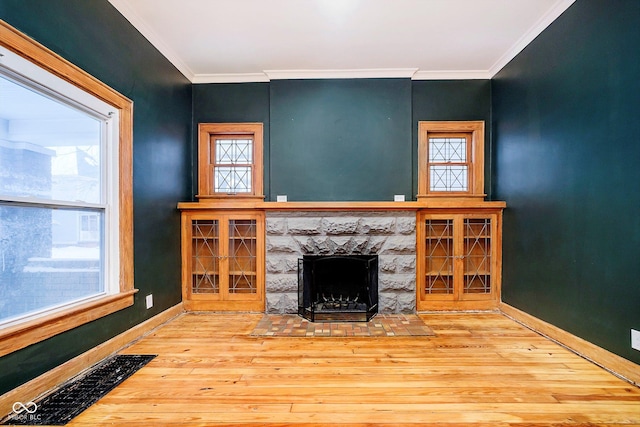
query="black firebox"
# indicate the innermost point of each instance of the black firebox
(338, 287)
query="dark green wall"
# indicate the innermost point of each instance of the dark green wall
(453, 100)
(341, 139)
(567, 154)
(231, 103)
(352, 139)
(95, 37)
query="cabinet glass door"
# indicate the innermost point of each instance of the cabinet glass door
(477, 256)
(439, 256)
(242, 256)
(205, 257)
(458, 260)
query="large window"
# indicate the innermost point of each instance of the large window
(451, 159)
(65, 214)
(230, 160)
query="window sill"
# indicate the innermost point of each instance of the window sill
(20, 336)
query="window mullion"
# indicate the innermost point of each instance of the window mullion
(48, 203)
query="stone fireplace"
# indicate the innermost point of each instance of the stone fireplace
(388, 235)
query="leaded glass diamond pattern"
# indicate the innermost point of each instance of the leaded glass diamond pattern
(448, 170)
(233, 165)
(242, 256)
(447, 150)
(233, 179)
(205, 256)
(234, 151)
(448, 178)
(477, 257)
(439, 256)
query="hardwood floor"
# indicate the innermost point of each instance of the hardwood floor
(480, 370)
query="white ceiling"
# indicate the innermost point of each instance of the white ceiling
(212, 41)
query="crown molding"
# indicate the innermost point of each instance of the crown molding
(230, 78)
(367, 73)
(381, 73)
(130, 15)
(268, 75)
(554, 12)
(452, 75)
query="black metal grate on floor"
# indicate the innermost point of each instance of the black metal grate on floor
(61, 406)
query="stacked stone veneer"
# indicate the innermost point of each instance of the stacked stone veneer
(390, 235)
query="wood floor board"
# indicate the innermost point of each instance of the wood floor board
(366, 371)
(334, 396)
(481, 369)
(408, 417)
(544, 409)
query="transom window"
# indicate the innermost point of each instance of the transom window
(230, 160)
(451, 159)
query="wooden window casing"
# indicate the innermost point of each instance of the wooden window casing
(23, 334)
(473, 133)
(208, 135)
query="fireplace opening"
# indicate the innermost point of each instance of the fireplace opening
(338, 287)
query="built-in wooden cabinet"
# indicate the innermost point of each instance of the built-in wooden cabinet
(223, 260)
(458, 259)
(458, 253)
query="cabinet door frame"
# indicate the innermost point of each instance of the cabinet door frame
(493, 268)
(421, 267)
(258, 295)
(459, 300)
(187, 257)
(223, 300)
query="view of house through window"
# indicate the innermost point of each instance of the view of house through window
(53, 203)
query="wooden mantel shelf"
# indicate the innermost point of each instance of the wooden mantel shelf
(436, 203)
